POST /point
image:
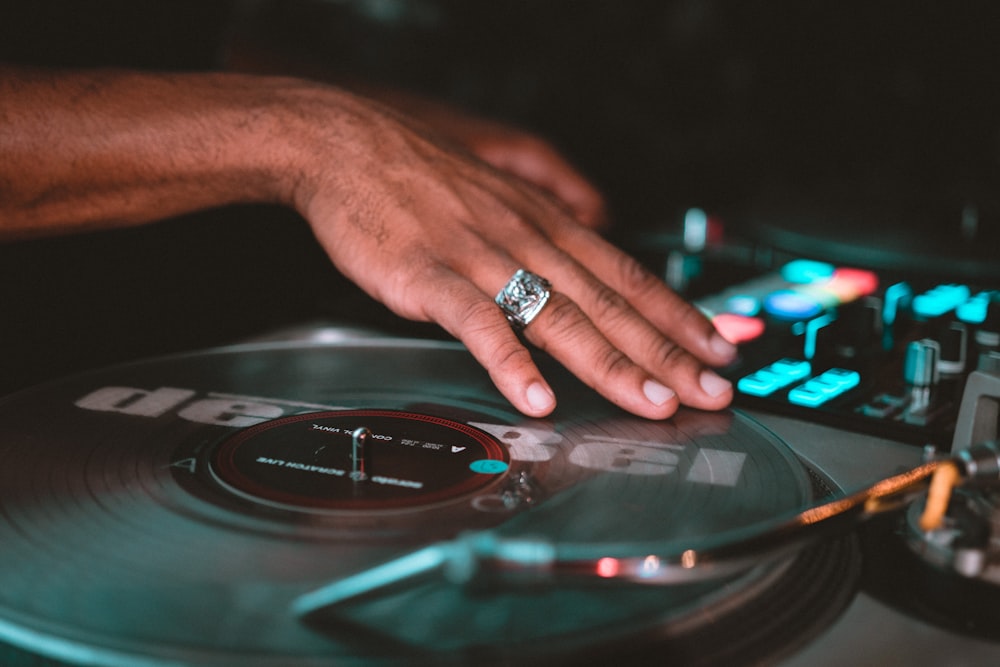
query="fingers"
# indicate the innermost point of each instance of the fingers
(563, 330)
(464, 311)
(437, 235)
(649, 296)
(625, 333)
(538, 163)
(605, 342)
(617, 367)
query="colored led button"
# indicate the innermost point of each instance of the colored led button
(809, 397)
(940, 300)
(795, 369)
(771, 378)
(804, 271)
(850, 284)
(974, 310)
(841, 377)
(823, 387)
(737, 328)
(760, 383)
(791, 305)
(488, 466)
(743, 304)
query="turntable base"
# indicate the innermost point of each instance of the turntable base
(173, 511)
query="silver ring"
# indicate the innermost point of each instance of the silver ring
(523, 297)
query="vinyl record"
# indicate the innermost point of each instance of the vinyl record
(175, 511)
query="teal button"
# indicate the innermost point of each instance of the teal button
(805, 271)
(488, 467)
(796, 369)
(777, 375)
(760, 383)
(807, 396)
(940, 300)
(842, 377)
(974, 310)
(823, 387)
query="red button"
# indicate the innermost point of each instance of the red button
(738, 328)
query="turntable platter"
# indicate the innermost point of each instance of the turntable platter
(172, 511)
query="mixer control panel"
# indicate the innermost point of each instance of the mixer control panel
(853, 348)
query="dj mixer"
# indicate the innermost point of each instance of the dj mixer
(875, 350)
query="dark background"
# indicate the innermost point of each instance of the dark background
(663, 103)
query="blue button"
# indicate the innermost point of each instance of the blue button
(842, 377)
(796, 369)
(974, 310)
(804, 271)
(760, 383)
(823, 387)
(791, 305)
(940, 300)
(771, 378)
(808, 397)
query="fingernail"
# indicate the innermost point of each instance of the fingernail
(656, 392)
(540, 398)
(713, 384)
(722, 347)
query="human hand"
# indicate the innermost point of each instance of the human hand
(431, 231)
(514, 151)
(501, 145)
(435, 233)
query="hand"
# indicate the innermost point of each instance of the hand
(514, 151)
(507, 148)
(431, 231)
(434, 234)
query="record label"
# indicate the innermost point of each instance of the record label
(315, 462)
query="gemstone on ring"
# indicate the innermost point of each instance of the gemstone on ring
(523, 297)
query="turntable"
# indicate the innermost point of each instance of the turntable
(331, 496)
(197, 509)
(375, 501)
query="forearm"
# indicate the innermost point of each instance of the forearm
(107, 148)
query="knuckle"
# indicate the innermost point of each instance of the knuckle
(482, 316)
(611, 362)
(609, 306)
(509, 355)
(667, 354)
(561, 313)
(635, 277)
(481, 311)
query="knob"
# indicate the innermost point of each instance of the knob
(920, 371)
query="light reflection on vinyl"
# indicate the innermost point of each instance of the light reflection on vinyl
(171, 511)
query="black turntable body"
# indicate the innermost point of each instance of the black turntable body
(215, 451)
